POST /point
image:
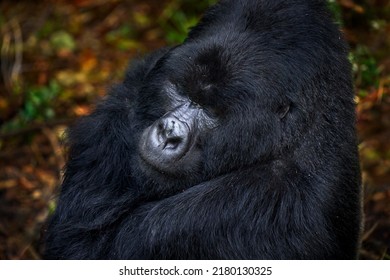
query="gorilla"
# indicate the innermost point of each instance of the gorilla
(239, 143)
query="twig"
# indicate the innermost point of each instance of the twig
(55, 146)
(11, 53)
(367, 234)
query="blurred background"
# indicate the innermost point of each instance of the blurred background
(59, 57)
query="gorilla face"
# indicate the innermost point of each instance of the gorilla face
(204, 121)
(171, 144)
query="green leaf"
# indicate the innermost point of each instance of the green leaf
(62, 40)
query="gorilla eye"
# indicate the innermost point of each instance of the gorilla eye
(209, 103)
(210, 110)
(195, 105)
(283, 110)
(175, 96)
(213, 111)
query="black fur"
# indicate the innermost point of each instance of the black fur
(278, 178)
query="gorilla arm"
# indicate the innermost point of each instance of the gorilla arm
(98, 182)
(235, 216)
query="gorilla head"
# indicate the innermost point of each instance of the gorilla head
(205, 121)
(237, 144)
(235, 95)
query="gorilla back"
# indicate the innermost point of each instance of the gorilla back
(237, 144)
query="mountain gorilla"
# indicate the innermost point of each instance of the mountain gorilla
(237, 144)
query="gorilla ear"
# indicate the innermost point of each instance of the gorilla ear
(283, 110)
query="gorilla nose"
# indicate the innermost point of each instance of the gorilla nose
(171, 133)
(165, 141)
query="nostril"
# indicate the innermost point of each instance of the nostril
(162, 132)
(170, 135)
(166, 128)
(170, 128)
(160, 126)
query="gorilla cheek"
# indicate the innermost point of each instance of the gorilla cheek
(165, 142)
